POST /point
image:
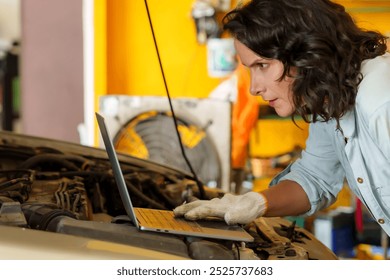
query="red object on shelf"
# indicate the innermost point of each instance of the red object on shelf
(359, 216)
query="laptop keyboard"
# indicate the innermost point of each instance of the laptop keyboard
(161, 219)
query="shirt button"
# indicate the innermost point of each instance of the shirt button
(360, 180)
(381, 221)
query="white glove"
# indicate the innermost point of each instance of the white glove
(234, 209)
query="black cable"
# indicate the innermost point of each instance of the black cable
(200, 186)
(141, 195)
(238, 250)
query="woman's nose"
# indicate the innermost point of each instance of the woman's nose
(257, 92)
(255, 87)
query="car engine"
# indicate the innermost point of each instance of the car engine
(55, 186)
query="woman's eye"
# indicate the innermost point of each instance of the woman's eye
(261, 65)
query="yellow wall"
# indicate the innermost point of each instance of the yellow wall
(274, 137)
(100, 56)
(132, 63)
(373, 15)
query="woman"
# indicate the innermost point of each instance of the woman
(308, 58)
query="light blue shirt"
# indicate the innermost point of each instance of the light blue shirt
(359, 151)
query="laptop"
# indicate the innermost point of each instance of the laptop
(164, 221)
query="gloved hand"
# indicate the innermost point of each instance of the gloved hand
(234, 209)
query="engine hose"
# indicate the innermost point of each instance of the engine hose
(39, 159)
(39, 216)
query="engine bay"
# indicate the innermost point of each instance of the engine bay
(54, 186)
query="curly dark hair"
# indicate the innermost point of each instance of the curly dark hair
(318, 38)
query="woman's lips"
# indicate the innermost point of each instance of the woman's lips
(272, 102)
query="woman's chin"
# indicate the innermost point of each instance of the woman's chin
(283, 113)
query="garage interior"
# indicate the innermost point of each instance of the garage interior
(63, 60)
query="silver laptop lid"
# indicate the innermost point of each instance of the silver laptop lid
(120, 180)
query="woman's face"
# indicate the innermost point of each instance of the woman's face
(265, 74)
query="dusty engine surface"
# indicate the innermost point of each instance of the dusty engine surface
(67, 188)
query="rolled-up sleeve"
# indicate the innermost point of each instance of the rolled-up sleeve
(319, 170)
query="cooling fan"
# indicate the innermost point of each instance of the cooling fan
(151, 135)
(142, 126)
